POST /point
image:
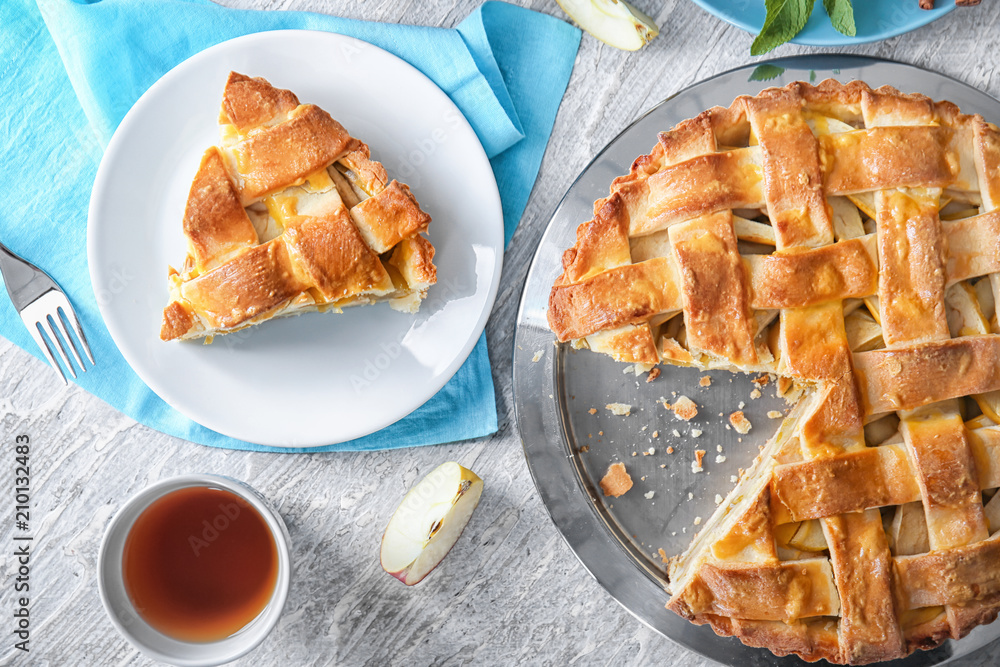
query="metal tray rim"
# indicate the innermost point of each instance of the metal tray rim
(552, 461)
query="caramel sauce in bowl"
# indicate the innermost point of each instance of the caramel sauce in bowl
(195, 570)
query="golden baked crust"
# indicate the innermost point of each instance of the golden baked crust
(290, 214)
(250, 285)
(277, 156)
(847, 240)
(389, 216)
(248, 103)
(215, 223)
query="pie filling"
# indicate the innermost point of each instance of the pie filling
(290, 215)
(846, 240)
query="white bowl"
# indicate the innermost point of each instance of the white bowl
(154, 643)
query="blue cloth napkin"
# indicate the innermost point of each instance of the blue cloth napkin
(70, 71)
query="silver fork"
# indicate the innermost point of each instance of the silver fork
(40, 302)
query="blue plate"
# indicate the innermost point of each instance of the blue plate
(875, 19)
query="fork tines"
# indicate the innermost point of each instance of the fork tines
(46, 318)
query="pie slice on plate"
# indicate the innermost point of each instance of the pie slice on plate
(289, 214)
(846, 240)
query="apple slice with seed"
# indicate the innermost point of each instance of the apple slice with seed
(429, 521)
(614, 22)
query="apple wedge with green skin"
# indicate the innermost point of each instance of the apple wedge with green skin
(614, 22)
(429, 521)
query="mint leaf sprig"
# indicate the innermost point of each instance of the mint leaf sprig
(786, 18)
(841, 16)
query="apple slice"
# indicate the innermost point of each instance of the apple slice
(989, 403)
(809, 537)
(614, 22)
(429, 521)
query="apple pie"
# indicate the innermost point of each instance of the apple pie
(846, 240)
(289, 214)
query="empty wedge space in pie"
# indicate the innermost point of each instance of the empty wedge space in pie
(289, 214)
(847, 240)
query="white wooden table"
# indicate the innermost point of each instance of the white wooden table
(511, 592)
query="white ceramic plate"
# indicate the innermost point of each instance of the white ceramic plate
(315, 379)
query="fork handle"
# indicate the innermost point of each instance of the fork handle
(18, 274)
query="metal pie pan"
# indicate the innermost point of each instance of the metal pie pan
(560, 395)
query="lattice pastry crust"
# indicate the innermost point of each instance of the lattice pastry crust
(847, 240)
(287, 215)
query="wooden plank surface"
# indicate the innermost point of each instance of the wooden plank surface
(511, 591)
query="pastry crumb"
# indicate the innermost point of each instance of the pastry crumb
(718, 499)
(742, 405)
(663, 555)
(684, 408)
(676, 433)
(774, 414)
(670, 450)
(585, 449)
(755, 393)
(616, 480)
(538, 355)
(720, 459)
(649, 496)
(718, 448)
(696, 432)
(620, 409)
(699, 456)
(663, 465)
(653, 374)
(592, 411)
(697, 520)
(633, 454)
(733, 479)
(705, 381)
(650, 451)
(740, 422)
(690, 495)
(656, 434)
